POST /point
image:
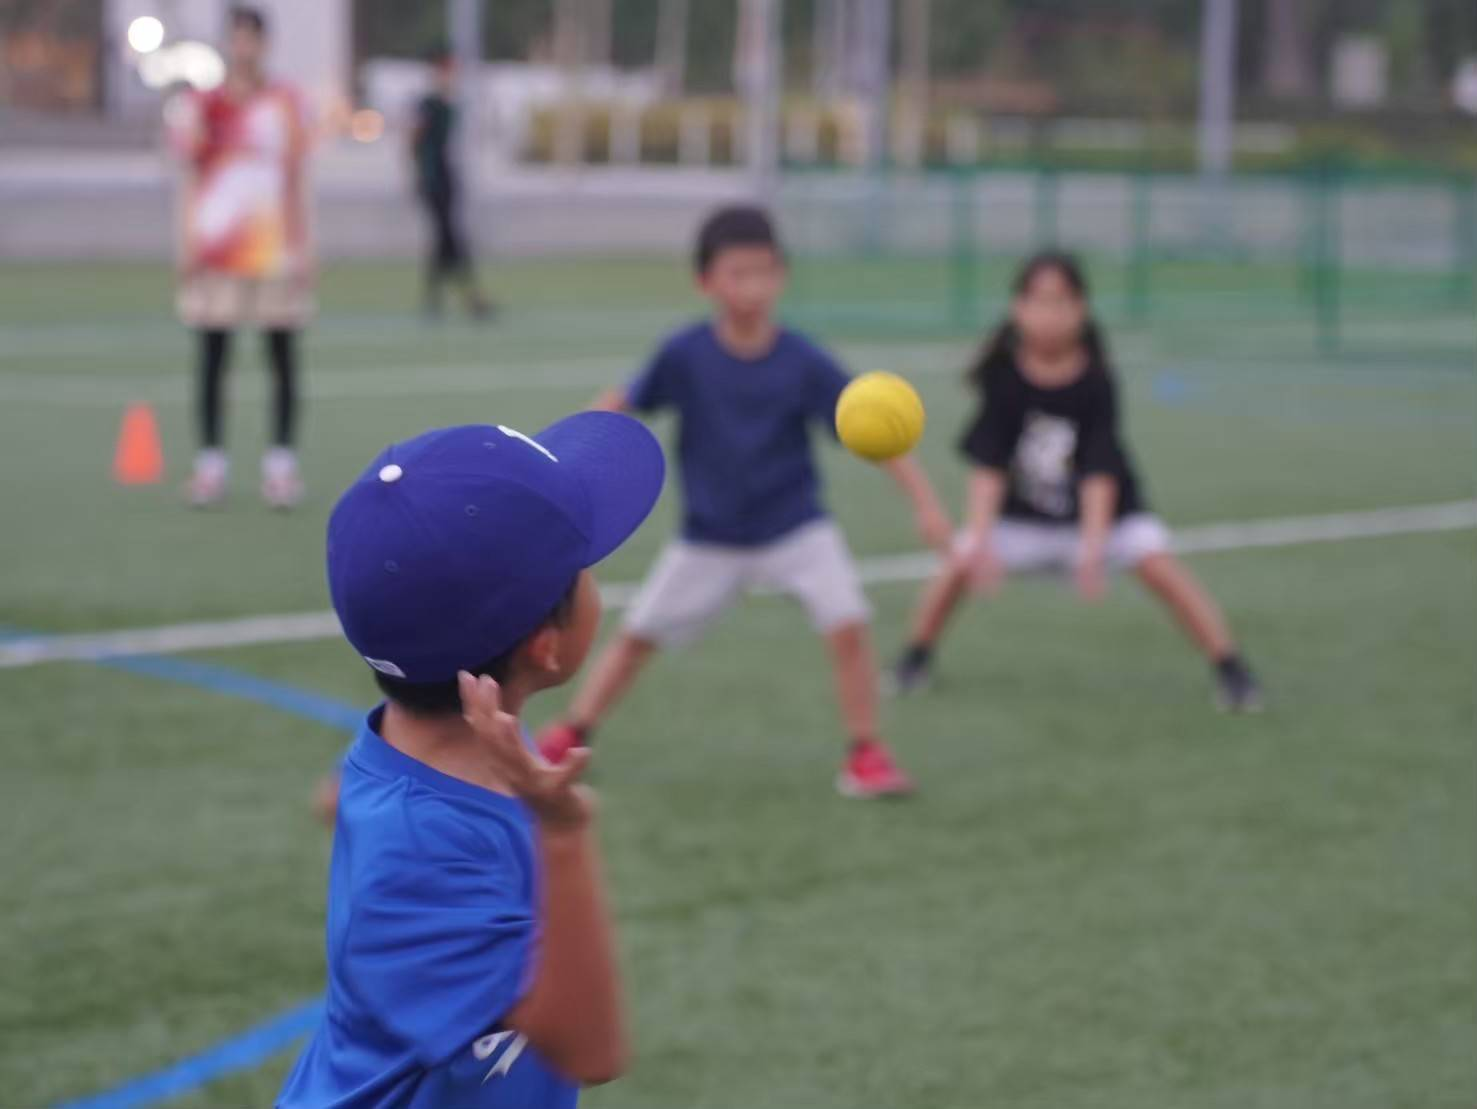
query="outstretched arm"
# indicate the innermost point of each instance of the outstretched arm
(986, 494)
(653, 387)
(933, 522)
(572, 1012)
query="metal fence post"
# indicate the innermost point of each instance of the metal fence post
(1046, 207)
(1327, 294)
(1464, 239)
(964, 275)
(1140, 248)
(1309, 247)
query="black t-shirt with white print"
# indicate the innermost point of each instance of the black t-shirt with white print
(1048, 440)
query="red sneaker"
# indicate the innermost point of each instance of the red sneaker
(557, 740)
(870, 772)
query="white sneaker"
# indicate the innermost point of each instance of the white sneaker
(282, 487)
(208, 483)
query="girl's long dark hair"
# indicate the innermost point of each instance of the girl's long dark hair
(1000, 348)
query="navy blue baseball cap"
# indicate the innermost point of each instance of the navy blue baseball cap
(452, 547)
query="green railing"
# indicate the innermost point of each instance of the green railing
(1336, 261)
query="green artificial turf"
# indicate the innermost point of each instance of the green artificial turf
(1104, 895)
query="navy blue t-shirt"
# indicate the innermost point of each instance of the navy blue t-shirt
(432, 901)
(744, 431)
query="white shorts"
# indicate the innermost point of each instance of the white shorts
(1025, 545)
(692, 583)
(222, 300)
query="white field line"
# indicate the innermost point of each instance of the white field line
(375, 384)
(103, 391)
(305, 626)
(163, 336)
(511, 374)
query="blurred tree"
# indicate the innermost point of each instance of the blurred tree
(1125, 56)
(390, 28)
(598, 31)
(671, 46)
(966, 31)
(71, 19)
(1287, 51)
(1411, 64)
(1453, 33)
(514, 30)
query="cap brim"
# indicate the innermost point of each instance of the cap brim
(620, 465)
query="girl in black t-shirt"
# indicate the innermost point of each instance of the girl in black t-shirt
(1053, 486)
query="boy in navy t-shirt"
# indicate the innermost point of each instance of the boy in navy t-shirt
(748, 394)
(470, 956)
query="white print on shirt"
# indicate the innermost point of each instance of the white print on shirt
(513, 433)
(1043, 463)
(484, 1048)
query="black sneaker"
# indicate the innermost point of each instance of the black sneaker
(909, 674)
(1236, 687)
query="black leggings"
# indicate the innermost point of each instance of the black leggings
(449, 256)
(281, 345)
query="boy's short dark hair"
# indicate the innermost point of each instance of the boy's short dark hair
(245, 17)
(445, 698)
(738, 225)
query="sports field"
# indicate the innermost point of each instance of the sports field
(1105, 894)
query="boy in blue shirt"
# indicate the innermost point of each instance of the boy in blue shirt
(748, 392)
(470, 957)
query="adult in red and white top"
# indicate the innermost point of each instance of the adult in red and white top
(246, 255)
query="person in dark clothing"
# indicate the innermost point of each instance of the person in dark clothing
(1053, 485)
(436, 184)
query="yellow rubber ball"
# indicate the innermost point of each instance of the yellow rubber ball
(879, 417)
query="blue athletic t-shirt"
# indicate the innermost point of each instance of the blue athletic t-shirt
(744, 438)
(431, 924)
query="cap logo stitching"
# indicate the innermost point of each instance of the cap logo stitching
(512, 433)
(385, 666)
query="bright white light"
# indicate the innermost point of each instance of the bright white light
(199, 64)
(155, 69)
(145, 34)
(195, 63)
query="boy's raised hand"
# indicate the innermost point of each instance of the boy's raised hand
(551, 791)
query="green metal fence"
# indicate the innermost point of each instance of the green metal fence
(1335, 263)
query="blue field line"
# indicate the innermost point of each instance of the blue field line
(261, 1041)
(240, 1052)
(235, 683)
(232, 683)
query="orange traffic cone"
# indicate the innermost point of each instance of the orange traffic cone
(139, 459)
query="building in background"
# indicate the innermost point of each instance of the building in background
(310, 48)
(77, 58)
